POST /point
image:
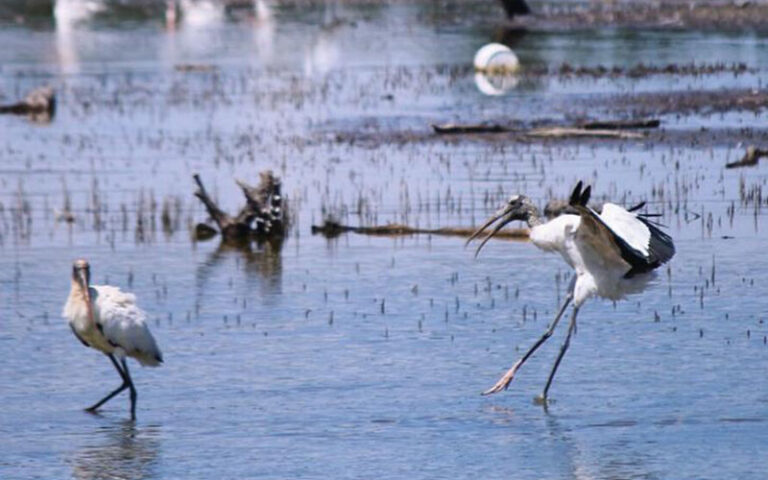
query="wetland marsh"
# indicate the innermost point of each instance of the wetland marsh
(361, 356)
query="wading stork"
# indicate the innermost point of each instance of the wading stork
(107, 319)
(613, 253)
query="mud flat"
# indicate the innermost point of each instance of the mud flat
(638, 15)
(364, 355)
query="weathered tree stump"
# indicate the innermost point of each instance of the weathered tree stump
(262, 218)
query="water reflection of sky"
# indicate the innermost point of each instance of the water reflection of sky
(118, 449)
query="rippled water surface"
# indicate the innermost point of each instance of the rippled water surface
(364, 357)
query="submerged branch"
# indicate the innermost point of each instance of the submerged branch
(599, 128)
(331, 229)
(450, 128)
(217, 214)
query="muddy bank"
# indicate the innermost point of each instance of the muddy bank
(703, 137)
(592, 109)
(641, 70)
(701, 102)
(731, 16)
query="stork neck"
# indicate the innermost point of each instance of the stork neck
(78, 291)
(532, 217)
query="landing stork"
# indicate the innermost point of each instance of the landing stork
(613, 253)
(107, 319)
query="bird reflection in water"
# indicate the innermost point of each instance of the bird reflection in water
(119, 450)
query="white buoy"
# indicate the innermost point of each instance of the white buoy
(496, 58)
(495, 67)
(495, 84)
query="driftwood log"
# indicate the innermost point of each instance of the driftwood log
(39, 105)
(621, 124)
(263, 217)
(331, 228)
(561, 132)
(604, 128)
(453, 128)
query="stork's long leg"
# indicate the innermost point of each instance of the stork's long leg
(505, 380)
(133, 389)
(119, 389)
(571, 329)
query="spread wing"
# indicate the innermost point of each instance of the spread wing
(639, 243)
(600, 243)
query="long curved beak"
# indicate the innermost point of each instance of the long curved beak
(82, 279)
(506, 214)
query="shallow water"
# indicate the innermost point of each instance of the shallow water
(364, 357)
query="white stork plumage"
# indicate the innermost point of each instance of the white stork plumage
(613, 253)
(107, 319)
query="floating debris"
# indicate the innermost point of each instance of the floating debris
(750, 158)
(191, 67)
(39, 105)
(450, 128)
(621, 124)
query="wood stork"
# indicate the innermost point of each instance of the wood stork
(201, 13)
(613, 253)
(106, 319)
(515, 7)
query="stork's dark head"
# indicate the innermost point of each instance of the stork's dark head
(81, 277)
(518, 207)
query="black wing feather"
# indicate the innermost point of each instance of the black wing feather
(575, 195)
(660, 247)
(585, 195)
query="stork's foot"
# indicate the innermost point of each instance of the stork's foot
(504, 381)
(95, 406)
